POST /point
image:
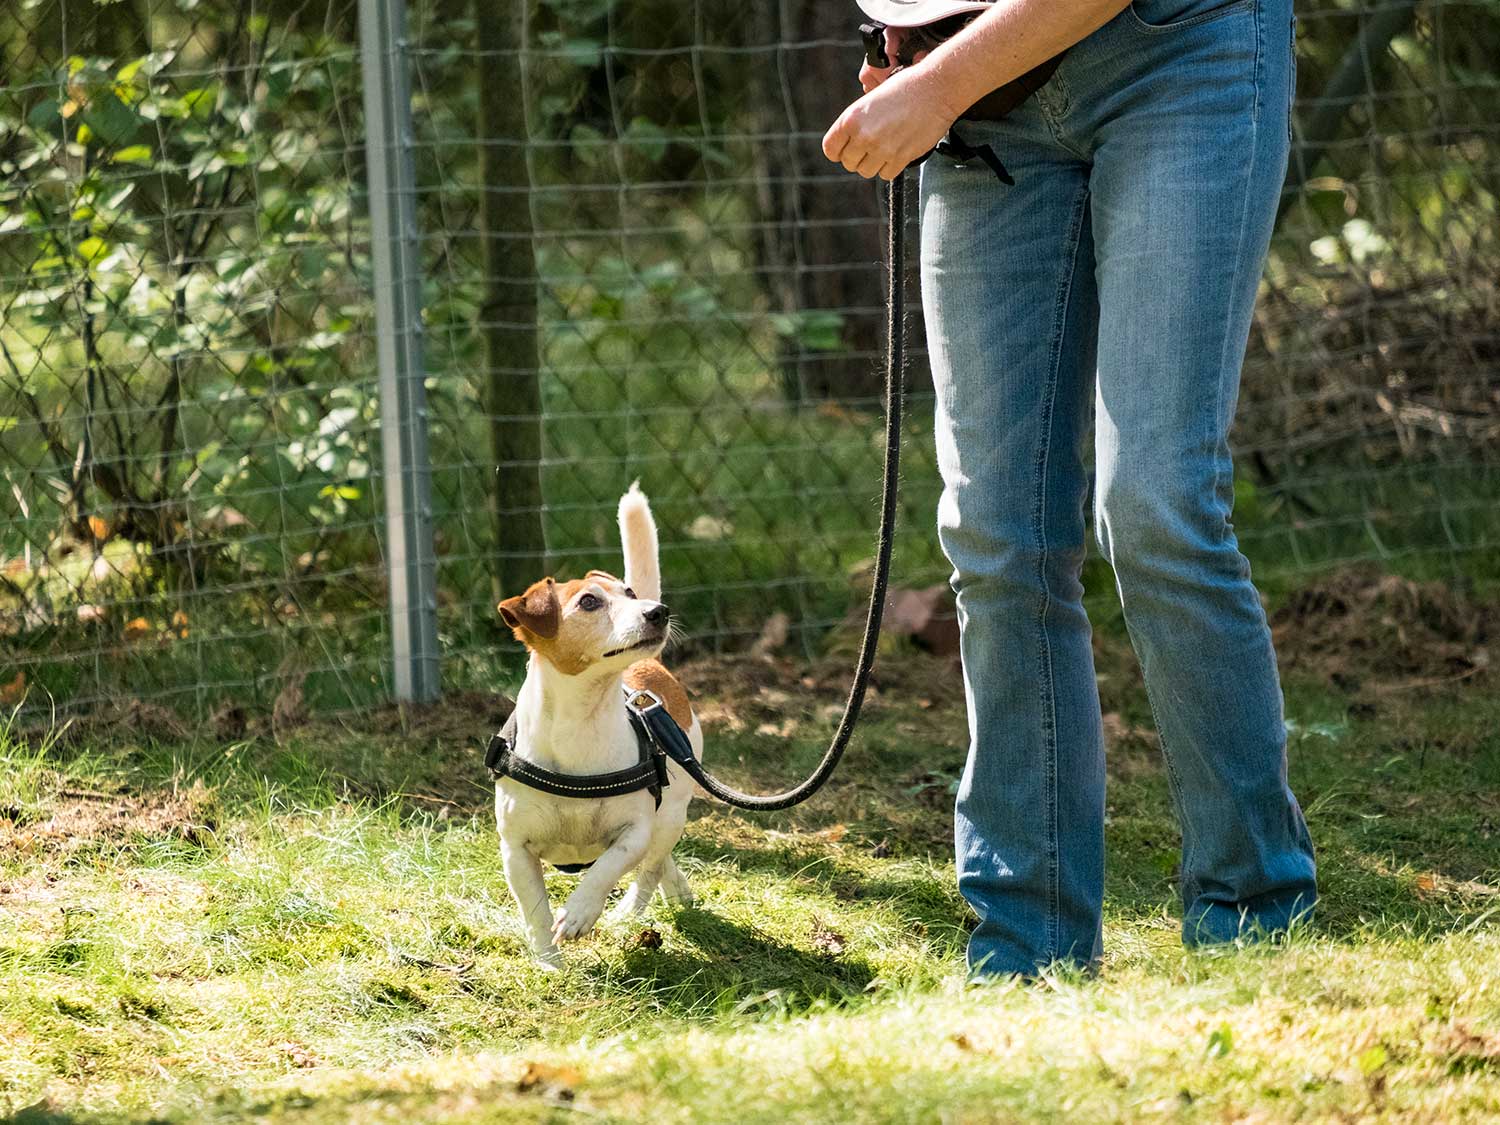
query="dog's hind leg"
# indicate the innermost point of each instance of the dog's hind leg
(523, 871)
(674, 884)
(655, 871)
(634, 904)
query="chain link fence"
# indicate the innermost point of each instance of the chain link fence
(635, 264)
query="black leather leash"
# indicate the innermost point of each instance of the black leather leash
(895, 396)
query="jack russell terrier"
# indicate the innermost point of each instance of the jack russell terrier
(590, 639)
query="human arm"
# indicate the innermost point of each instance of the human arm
(905, 112)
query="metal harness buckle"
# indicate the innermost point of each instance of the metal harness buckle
(633, 701)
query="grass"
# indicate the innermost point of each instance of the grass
(318, 931)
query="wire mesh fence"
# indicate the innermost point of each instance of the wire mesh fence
(635, 265)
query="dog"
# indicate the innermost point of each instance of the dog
(588, 639)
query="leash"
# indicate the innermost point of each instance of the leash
(895, 395)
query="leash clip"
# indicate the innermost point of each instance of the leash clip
(653, 701)
(497, 750)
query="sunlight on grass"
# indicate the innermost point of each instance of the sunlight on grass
(194, 933)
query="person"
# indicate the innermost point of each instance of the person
(1118, 272)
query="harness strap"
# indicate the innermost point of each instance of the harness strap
(652, 720)
(962, 152)
(650, 773)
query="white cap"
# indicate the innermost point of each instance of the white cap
(918, 13)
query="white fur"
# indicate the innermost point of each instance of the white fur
(638, 538)
(577, 724)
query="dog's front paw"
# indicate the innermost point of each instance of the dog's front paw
(576, 918)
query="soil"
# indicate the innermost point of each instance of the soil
(74, 820)
(1362, 630)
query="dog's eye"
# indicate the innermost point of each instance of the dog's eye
(589, 603)
(629, 593)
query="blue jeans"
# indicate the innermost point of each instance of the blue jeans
(1119, 273)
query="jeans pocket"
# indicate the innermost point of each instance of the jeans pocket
(1158, 16)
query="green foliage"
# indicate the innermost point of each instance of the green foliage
(187, 351)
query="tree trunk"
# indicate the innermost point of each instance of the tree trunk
(823, 247)
(513, 397)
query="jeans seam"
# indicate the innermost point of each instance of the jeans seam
(1221, 424)
(1039, 524)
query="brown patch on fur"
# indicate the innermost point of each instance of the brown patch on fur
(651, 675)
(537, 612)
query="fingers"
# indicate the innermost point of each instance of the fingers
(843, 144)
(870, 76)
(868, 165)
(869, 143)
(863, 161)
(836, 140)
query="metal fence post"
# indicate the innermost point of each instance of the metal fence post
(410, 563)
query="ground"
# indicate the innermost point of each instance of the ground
(311, 925)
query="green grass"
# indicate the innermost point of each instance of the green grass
(319, 931)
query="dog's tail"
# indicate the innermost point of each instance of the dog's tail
(638, 538)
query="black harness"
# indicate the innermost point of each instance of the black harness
(657, 737)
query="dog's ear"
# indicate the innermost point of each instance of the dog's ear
(537, 610)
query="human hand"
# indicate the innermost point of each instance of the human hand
(901, 117)
(872, 76)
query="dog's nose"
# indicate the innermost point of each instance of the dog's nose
(657, 615)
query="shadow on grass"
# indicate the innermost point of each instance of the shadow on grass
(933, 904)
(723, 965)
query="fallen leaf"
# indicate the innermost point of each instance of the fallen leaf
(180, 624)
(827, 941)
(14, 691)
(928, 616)
(298, 1055)
(1372, 1060)
(881, 850)
(833, 833)
(548, 1080)
(98, 528)
(136, 628)
(648, 938)
(784, 729)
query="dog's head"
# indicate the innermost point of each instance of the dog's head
(589, 623)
